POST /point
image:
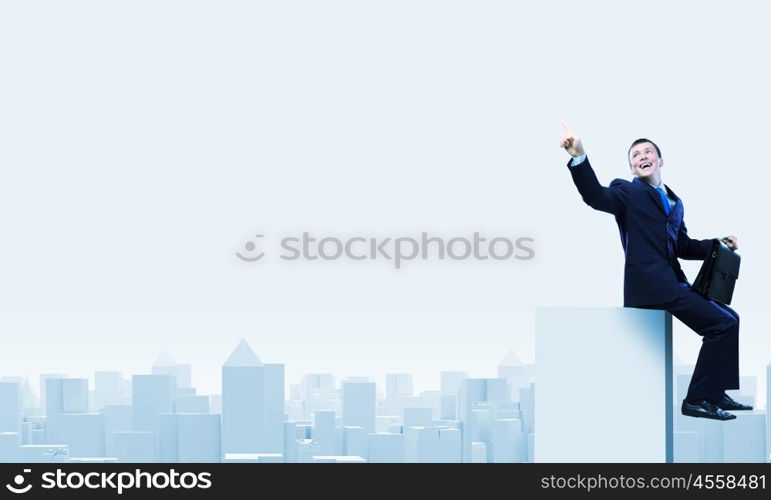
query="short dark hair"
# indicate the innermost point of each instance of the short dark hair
(640, 141)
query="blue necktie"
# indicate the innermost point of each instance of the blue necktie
(664, 199)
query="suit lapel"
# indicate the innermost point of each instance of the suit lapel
(677, 209)
(654, 195)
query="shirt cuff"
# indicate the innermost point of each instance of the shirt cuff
(577, 160)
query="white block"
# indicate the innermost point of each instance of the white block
(472, 392)
(38, 436)
(189, 403)
(688, 447)
(44, 453)
(26, 432)
(449, 406)
(433, 400)
(243, 403)
(324, 431)
(306, 450)
(151, 396)
(744, 438)
(398, 384)
(386, 448)
(712, 439)
(10, 407)
(417, 417)
(620, 357)
(135, 446)
(256, 458)
(9, 447)
(450, 382)
(337, 459)
(167, 438)
(383, 423)
(107, 388)
(748, 386)
(478, 452)
(527, 407)
(116, 418)
(432, 445)
(355, 441)
(396, 405)
(290, 442)
(199, 438)
(359, 405)
(508, 442)
(83, 433)
(273, 422)
(74, 395)
(215, 403)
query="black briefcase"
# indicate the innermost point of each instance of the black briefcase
(718, 274)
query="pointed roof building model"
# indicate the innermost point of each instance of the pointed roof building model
(510, 359)
(243, 355)
(165, 359)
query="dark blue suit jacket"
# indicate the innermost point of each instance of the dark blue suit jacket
(652, 240)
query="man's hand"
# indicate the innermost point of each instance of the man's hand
(731, 242)
(570, 142)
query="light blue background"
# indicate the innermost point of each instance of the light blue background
(142, 143)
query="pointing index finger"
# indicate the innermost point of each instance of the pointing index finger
(567, 127)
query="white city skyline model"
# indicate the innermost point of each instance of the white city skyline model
(159, 417)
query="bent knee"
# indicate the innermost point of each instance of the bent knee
(731, 324)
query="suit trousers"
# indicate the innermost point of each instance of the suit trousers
(717, 367)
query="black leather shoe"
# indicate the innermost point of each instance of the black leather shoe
(727, 403)
(705, 409)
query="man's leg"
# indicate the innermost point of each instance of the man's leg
(717, 367)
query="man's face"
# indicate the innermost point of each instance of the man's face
(645, 162)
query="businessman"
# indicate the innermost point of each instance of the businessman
(650, 221)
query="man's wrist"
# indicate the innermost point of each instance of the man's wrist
(577, 160)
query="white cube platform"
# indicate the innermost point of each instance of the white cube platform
(603, 390)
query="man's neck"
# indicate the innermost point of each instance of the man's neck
(657, 183)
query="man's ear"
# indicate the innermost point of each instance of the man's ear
(661, 162)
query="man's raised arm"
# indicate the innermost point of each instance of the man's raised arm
(613, 199)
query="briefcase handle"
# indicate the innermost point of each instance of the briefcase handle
(725, 241)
